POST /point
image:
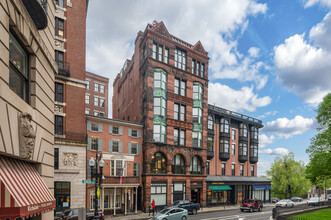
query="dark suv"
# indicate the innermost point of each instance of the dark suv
(252, 205)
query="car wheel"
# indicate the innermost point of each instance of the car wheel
(184, 218)
(164, 219)
(292, 205)
(194, 211)
(242, 210)
(260, 209)
(251, 209)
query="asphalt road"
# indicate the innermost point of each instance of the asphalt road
(233, 215)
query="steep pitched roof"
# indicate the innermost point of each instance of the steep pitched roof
(199, 48)
(161, 29)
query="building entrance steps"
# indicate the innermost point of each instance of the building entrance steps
(142, 215)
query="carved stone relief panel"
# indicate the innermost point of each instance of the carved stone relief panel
(27, 135)
(70, 159)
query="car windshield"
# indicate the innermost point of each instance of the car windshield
(250, 201)
(284, 200)
(67, 213)
(175, 203)
(164, 211)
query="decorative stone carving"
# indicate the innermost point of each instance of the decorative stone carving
(27, 135)
(70, 159)
(58, 108)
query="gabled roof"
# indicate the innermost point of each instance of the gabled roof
(161, 29)
(198, 47)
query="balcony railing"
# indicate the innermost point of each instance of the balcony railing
(117, 180)
(235, 114)
(64, 68)
(178, 169)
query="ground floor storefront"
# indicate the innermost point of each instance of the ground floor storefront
(164, 190)
(229, 190)
(69, 173)
(115, 199)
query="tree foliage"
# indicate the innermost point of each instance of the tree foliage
(286, 171)
(319, 168)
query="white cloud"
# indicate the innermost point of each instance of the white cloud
(264, 140)
(277, 151)
(235, 100)
(262, 167)
(273, 113)
(112, 27)
(304, 68)
(285, 127)
(310, 3)
(254, 51)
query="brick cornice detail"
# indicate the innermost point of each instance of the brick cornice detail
(180, 98)
(181, 124)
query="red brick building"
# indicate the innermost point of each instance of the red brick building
(119, 144)
(165, 88)
(96, 96)
(232, 156)
(70, 125)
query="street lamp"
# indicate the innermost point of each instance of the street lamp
(98, 178)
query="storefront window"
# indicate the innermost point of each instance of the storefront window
(62, 195)
(178, 191)
(109, 199)
(159, 193)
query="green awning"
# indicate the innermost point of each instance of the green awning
(220, 188)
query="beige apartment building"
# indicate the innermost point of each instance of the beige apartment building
(27, 69)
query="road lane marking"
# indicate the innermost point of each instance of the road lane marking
(233, 216)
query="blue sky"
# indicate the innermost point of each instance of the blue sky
(269, 59)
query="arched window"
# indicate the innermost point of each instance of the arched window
(195, 167)
(225, 127)
(178, 166)
(210, 123)
(254, 133)
(243, 130)
(158, 163)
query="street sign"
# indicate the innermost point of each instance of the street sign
(88, 181)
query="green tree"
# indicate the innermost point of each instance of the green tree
(319, 168)
(286, 171)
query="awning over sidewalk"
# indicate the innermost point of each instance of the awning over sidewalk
(220, 188)
(23, 192)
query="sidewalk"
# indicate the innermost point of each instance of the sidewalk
(142, 215)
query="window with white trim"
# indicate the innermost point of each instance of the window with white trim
(180, 87)
(102, 88)
(118, 167)
(96, 87)
(180, 59)
(96, 101)
(87, 99)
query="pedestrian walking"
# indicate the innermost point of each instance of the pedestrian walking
(153, 206)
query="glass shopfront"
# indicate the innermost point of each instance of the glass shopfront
(159, 193)
(62, 196)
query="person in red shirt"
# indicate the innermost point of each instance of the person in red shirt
(153, 206)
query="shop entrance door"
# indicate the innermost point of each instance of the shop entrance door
(195, 195)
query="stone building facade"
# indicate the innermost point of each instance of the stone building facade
(119, 143)
(27, 74)
(70, 86)
(96, 96)
(165, 87)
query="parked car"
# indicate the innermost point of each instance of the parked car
(315, 201)
(285, 203)
(72, 214)
(189, 206)
(274, 200)
(329, 197)
(171, 213)
(252, 205)
(297, 199)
